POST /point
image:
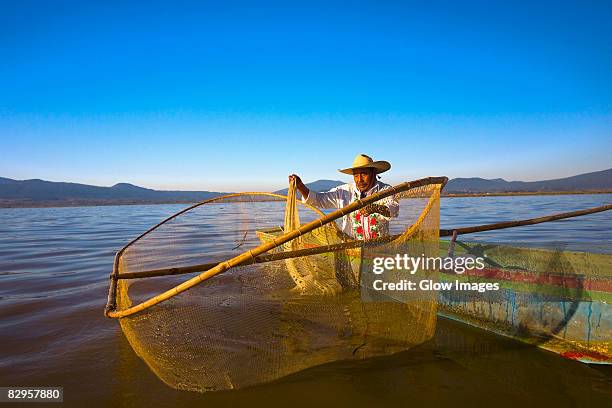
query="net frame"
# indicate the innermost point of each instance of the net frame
(249, 256)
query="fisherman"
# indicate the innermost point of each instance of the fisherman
(370, 222)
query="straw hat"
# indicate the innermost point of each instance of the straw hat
(363, 161)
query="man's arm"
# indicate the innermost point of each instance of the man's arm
(393, 206)
(330, 199)
(388, 208)
(376, 208)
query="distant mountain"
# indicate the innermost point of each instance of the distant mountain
(36, 192)
(318, 186)
(596, 181)
(41, 192)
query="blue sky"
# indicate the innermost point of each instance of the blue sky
(235, 96)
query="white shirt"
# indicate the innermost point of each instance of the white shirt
(355, 224)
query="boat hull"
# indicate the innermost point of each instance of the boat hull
(559, 301)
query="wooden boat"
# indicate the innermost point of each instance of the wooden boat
(559, 301)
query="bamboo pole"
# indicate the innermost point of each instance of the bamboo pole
(180, 270)
(112, 289)
(530, 221)
(246, 256)
(355, 244)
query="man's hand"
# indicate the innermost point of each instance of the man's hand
(300, 186)
(375, 208)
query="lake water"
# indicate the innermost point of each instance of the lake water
(54, 268)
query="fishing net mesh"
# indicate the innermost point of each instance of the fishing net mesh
(258, 322)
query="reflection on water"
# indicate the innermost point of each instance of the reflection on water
(54, 267)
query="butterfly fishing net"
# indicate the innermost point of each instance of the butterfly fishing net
(275, 287)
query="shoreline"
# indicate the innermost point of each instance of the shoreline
(524, 193)
(5, 204)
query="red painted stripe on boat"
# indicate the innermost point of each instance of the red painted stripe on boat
(565, 281)
(580, 355)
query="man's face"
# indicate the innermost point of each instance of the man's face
(363, 178)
